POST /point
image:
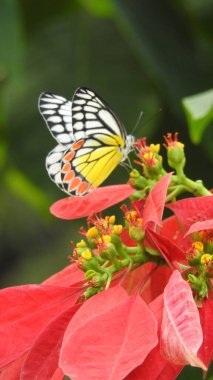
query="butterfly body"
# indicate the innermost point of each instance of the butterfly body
(91, 140)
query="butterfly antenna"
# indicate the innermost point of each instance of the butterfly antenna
(147, 121)
(137, 122)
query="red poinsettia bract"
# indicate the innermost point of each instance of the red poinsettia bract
(99, 199)
(147, 317)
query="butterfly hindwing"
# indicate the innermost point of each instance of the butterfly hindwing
(57, 113)
(91, 115)
(88, 163)
(53, 164)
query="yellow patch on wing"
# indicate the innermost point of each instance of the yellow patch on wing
(113, 140)
(98, 170)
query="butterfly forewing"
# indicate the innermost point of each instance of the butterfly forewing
(91, 115)
(57, 113)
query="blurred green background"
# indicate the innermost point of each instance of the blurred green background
(138, 55)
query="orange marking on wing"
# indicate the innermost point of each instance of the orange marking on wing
(66, 168)
(69, 176)
(69, 156)
(75, 183)
(77, 145)
(83, 187)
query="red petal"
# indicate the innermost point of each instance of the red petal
(25, 311)
(152, 280)
(181, 333)
(161, 368)
(42, 359)
(99, 199)
(170, 251)
(113, 336)
(58, 375)
(192, 210)
(12, 370)
(69, 276)
(199, 226)
(206, 317)
(175, 232)
(154, 206)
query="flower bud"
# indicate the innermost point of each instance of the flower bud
(92, 232)
(81, 244)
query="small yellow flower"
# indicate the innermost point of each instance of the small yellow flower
(131, 215)
(206, 258)
(117, 229)
(93, 231)
(86, 254)
(112, 219)
(155, 147)
(105, 239)
(198, 246)
(180, 144)
(81, 244)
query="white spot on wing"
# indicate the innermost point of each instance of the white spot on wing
(54, 119)
(93, 124)
(64, 138)
(51, 105)
(81, 152)
(90, 109)
(94, 104)
(80, 135)
(84, 96)
(80, 101)
(57, 178)
(57, 128)
(48, 112)
(90, 92)
(53, 100)
(91, 142)
(53, 169)
(108, 119)
(67, 119)
(54, 158)
(90, 115)
(77, 108)
(78, 116)
(78, 125)
(64, 112)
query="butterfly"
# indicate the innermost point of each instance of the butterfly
(91, 140)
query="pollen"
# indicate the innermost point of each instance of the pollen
(86, 254)
(198, 245)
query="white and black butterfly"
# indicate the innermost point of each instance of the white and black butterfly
(91, 140)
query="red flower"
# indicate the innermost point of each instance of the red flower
(99, 199)
(146, 316)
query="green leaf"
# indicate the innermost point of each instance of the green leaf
(199, 113)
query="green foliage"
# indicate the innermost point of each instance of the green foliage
(199, 113)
